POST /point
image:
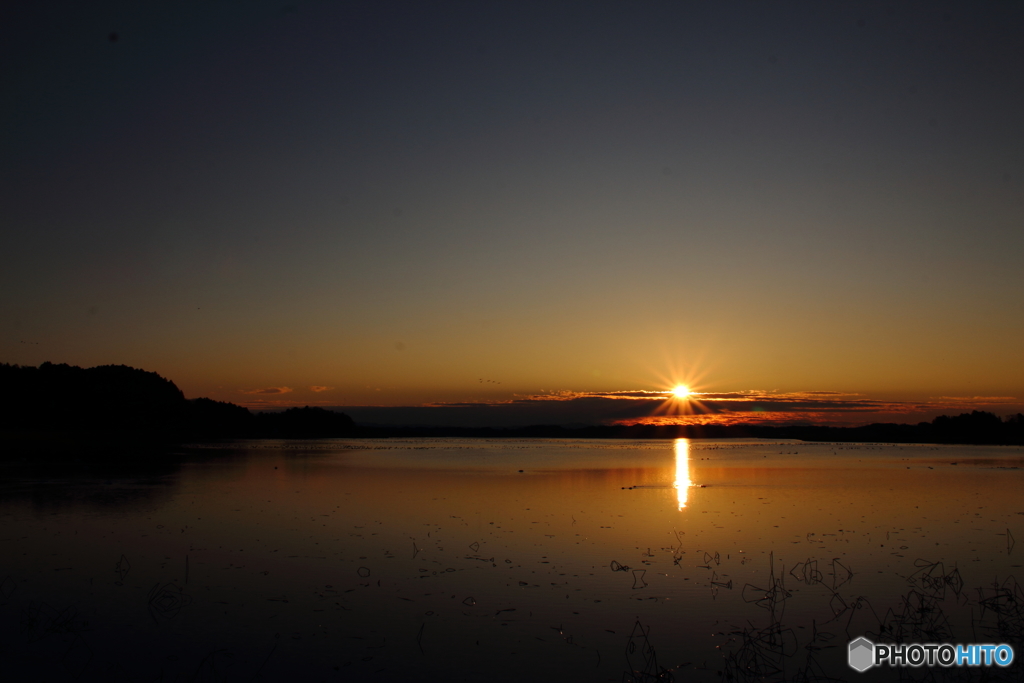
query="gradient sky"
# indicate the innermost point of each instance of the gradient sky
(399, 203)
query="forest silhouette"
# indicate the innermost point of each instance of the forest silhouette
(117, 400)
(67, 406)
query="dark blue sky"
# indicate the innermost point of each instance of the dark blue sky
(397, 200)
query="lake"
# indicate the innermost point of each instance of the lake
(498, 560)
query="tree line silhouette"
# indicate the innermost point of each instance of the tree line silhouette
(117, 400)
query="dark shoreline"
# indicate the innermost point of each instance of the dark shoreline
(87, 445)
(970, 428)
(122, 412)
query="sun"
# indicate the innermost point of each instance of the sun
(681, 391)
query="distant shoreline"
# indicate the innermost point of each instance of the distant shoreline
(129, 410)
(121, 443)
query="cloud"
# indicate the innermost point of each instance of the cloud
(318, 389)
(980, 399)
(269, 390)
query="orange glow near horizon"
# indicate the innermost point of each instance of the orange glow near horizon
(683, 483)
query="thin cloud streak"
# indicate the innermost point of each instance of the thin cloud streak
(269, 391)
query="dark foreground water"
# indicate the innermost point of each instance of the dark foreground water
(476, 560)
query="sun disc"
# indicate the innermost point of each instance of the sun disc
(681, 391)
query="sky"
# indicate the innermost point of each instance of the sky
(403, 204)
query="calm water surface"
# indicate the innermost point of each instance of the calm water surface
(478, 560)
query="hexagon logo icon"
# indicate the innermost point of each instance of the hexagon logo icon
(862, 654)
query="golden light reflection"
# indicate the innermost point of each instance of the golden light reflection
(683, 483)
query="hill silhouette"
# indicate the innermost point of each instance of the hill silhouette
(61, 397)
(120, 400)
(113, 406)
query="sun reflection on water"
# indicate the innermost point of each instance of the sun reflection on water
(683, 483)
